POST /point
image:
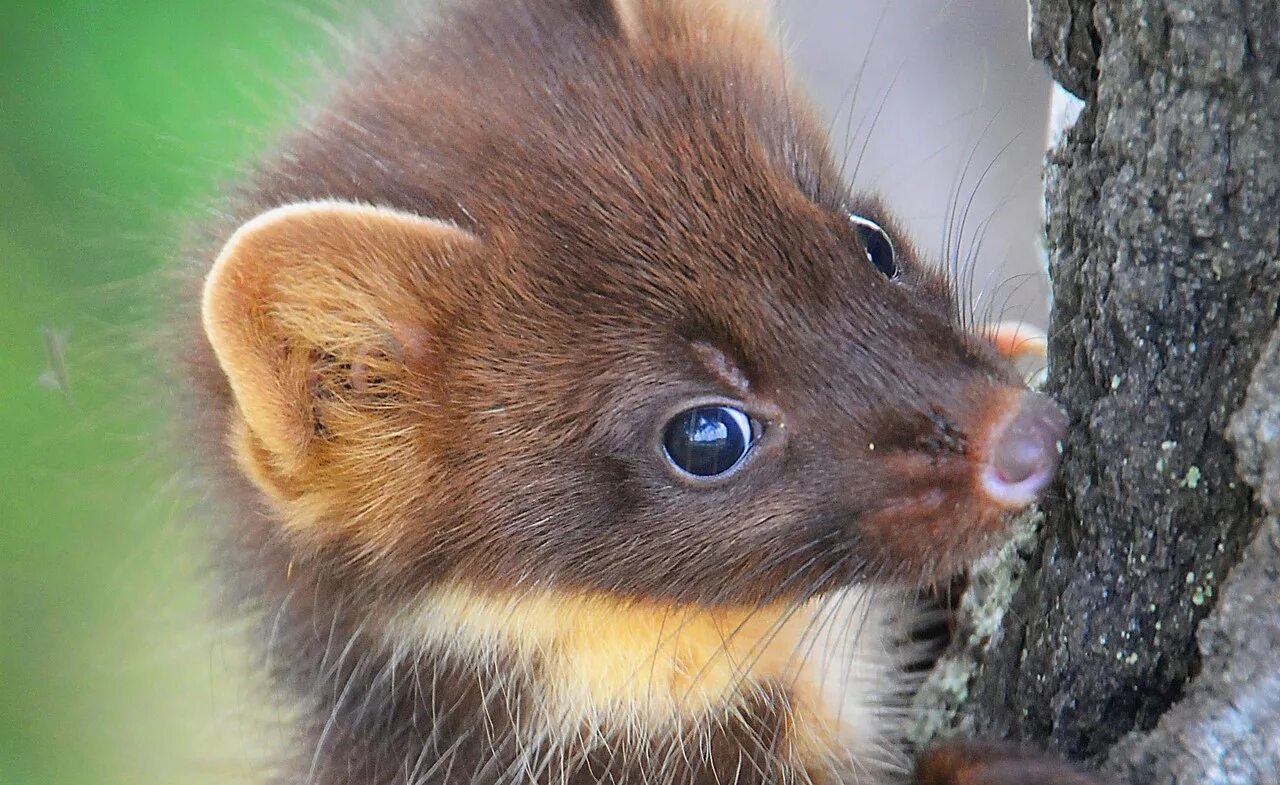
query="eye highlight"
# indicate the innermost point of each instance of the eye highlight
(878, 246)
(708, 441)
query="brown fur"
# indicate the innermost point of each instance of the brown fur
(545, 226)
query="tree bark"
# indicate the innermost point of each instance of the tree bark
(1163, 210)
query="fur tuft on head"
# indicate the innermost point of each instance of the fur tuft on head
(737, 23)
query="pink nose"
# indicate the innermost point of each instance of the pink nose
(1023, 451)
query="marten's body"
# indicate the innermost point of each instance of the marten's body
(448, 332)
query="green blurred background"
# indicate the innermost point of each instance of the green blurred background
(117, 122)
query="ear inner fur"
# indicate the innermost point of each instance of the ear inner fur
(323, 278)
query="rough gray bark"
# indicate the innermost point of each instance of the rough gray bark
(1226, 728)
(1164, 240)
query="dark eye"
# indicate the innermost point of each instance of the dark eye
(879, 246)
(708, 440)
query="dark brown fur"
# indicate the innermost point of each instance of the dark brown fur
(637, 199)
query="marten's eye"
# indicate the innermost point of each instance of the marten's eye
(877, 244)
(708, 440)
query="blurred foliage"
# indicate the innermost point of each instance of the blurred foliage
(117, 122)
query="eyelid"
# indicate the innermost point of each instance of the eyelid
(864, 221)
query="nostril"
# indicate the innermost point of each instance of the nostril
(1023, 451)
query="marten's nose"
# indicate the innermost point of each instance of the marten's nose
(1022, 451)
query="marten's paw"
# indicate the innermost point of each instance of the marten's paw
(987, 763)
(1026, 346)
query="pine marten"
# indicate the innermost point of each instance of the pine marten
(573, 422)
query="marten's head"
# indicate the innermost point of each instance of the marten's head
(587, 306)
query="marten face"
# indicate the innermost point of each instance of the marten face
(607, 321)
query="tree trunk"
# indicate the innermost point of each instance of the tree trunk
(1134, 625)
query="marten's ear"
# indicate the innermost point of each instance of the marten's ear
(318, 315)
(745, 25)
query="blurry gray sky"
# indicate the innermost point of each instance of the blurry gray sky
(958, 95)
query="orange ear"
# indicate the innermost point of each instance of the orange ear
(315, 299)
(745, 24)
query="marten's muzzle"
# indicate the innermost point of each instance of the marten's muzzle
(951, 482)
